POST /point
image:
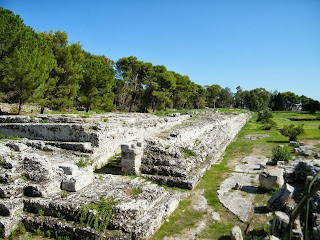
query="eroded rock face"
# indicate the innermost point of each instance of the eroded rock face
(180, 157)
(52, 171)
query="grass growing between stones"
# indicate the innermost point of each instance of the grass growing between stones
(183, 218)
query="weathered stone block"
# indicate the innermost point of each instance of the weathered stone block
(279, 223)
(74, 183)
(131, 155)
(69, 169)
(280, 197)
(271, 178)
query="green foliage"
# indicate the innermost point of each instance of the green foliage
(20, 230)
(25, 59)
(63, 194)
(184, 217)
(97, 214)
(61, 87)
(263, 115)
(292, 131)
(83, 162)
(281, 154)
(96, 85)
(268, 124)
(136, 191)
(23, 175)
(256, 99)
(189, 153)
(10, 137)
(41, 212)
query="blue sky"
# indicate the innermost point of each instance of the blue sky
(274, 44)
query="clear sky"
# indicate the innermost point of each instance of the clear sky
(274, 44)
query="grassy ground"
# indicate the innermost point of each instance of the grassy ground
(183, 218)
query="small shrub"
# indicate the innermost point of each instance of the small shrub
(292, 131)
(20, 230)
(189, 153)
(23, 175)
(268, 124)
(41, 212)
(83, 162)
(97, 214)
(280, 154)
(136, 191)
(264, 114)
(106, 120)
(64, 193)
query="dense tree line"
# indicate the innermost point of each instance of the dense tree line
(46, 69)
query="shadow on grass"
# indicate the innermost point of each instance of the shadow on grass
(277, 141)
(225, 238)
(261, 210)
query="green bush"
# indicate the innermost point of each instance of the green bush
(292, 131)
(280, 154)
(268, 124)
(264, 115)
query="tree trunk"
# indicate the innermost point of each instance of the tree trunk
(132, 101)
(42, 110)
(87, 107)
(20, 107)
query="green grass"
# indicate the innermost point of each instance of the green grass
(217, 229)
(10, 137)
(189, 153)
(182, 218)
(165, 113)
(311, 130)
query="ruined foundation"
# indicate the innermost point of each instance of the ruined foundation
(63, 162)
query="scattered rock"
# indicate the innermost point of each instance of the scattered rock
(280, 197)
(236, 233)
(279, 223)
(215, 216)
(200, 203)
(256, 136)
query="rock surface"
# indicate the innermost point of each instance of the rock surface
(236, 233)
(271, 178)
(280, 198)
(50, 170)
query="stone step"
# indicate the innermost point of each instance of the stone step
(72, 230)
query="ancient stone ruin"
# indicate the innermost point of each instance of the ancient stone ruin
(62, 163)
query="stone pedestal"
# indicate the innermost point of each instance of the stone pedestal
(131, 154)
